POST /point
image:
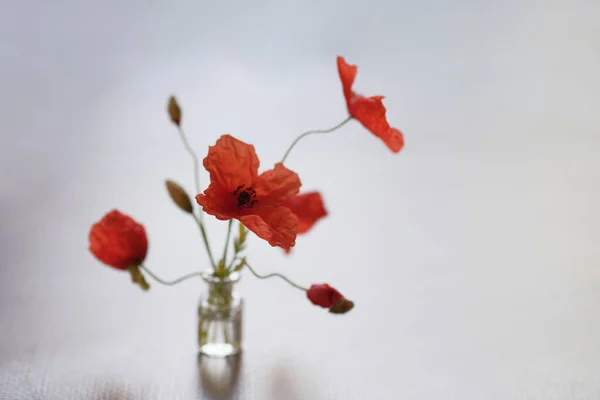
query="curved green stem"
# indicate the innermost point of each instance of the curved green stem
(170, 283)
(277, 275)
(313, 132)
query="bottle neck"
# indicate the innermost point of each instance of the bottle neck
(220, 291)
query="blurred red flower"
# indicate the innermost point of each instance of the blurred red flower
(309, 208)
(118, 241)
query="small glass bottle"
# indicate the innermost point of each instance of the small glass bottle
(220, 317)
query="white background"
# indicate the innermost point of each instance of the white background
(472, 255)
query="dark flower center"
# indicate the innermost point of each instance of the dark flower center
(245, 197)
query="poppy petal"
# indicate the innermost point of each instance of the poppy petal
(309, 208)
(231, 163)
(216, 201)
(347, 74)
(277, 185)
(394, 139)
(370, 112)
(277, 225)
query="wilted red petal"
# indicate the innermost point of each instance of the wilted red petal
(393, 138)
(347, 74)
(277, 185)
(118, 241)
(309, 208)
(323, 295)
(276, 224)
(233, 167)
(369, 111)
(231, 163)
(218, 202)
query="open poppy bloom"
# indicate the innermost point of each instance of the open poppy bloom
(257, 201)
(309, 208)
(325, 296)
(369, 111)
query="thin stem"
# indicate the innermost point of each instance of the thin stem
(227, 242)
(233, 259)
(313, 132)
(198, 218)
(205, 238)
(277, 275)
(169, 283)
(191, 152)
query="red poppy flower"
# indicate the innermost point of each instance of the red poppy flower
(325, 296)
(257, 201)
(369, 111)
(118, 241)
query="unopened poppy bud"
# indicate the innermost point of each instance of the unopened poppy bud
(323, 295)
(174, 111)
(179, 196)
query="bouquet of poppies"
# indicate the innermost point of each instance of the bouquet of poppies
(268, 204)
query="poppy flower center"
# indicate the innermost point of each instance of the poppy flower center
(245, 197)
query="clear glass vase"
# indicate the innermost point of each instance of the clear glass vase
(220, 317)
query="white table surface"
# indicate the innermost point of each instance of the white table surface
(472, 255)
